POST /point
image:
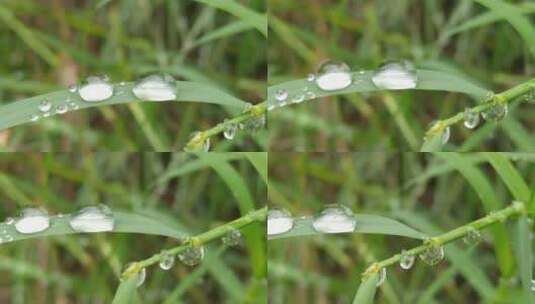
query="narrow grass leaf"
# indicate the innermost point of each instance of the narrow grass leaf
(366, 223)
(260, 161)
(367, 290)
(524, 255)
(125, 292)
(510, 176)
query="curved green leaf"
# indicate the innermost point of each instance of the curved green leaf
(367, 290)
(366, 223)
(125, 292)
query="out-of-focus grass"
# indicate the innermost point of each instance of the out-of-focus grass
(364, 34)
(125, 39)
(178, 189)
(424, 191)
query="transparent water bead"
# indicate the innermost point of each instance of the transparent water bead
(432, 255)
(167, 261)
(335, 219)
(73, 88)
(495, 113)
(141, 275)
(61, 109)
(93, 219)
(471, 118)
(333, 75)
(230, 131)
(32, 220)
(199, 144)
(45, 106)
(311, 77)
(299, 98)
(472, 237)
(9, 221)
(279, 221)
(34, 117)
(96, 89)
(395, 76)
(232, 238)
(406, 261)
(281, 95)
(445, 137)
(159, 87)
(192, 256)
(382, 277)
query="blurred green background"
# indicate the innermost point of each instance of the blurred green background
(126, 40)
(367, 33)
(181, 190)
(421, 190)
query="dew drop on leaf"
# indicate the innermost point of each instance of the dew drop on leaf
(93, 219)
(279, 221)
(34, 117)
(232, 238)
(45, 106)
(432, 255)
(406, 260)
(230, 130)
(155, 88)
(61, 109)
(9, 221)
(333, 75)
(299, 98)
(495, 113)
(192, 256)
(311, 77)
(472, 237)
(95, 89)
(382, 277)
(32, 220)
(395, 76)
(141, 275)
(166, 261)
(335, 219)
(281, 95)
(73, 88)
(471, 118)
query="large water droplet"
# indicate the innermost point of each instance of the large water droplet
(406, 260)
(155, 88)
(495, 113)
(281, 95)
(335, 219)
(61, 109)
(432, 255)
(232, 238)
(166, 261)
(141, 275)
(472, 237)
(192, 256)
(32, 220)
(279, 221)
(198, 143)
(333, 75)
(382, 277)
(230, 131)
(45, 106)
(93, 219)
(471, 118)
(95, 89)
(395, 76)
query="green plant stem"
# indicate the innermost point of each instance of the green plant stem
(517, 208)
(503, 98)
(199, 240)
(254, 112)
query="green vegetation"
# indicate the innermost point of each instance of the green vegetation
(160, 204)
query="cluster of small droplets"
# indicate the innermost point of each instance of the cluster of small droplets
(232, 238)
(432, 255)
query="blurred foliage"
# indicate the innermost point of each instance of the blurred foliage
(181, 190)
(61, 42)
(365, 34)
(421, 190)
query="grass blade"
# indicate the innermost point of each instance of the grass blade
(367, 290)
(366, 223)
(126, 291)
(510, 176)
(21, 111)
(260, 161)
(525, 256)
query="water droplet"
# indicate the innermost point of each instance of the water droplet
(281, 95)
(73, 88)
(93, 219)
(495, 113)
(382, 277)
(406, 260)
(335, 219)
(472, 237)
(155, 88)
(141, 275)
(192, 256)
(198, 143)
(395, 76)
(446, 133)
(61, 109)
(166, 261)
(311, 77)
(8, 238)
(46, 114)
(471, 118)
(310, 95)
(34, 117)
(32, 220)
(95, 89)
(45, 106)
(232, 238)
(298, 99)
(9, 221)
(230, 131)
(279, 221)
(73, 105)
(432, 255)
(333, 75)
